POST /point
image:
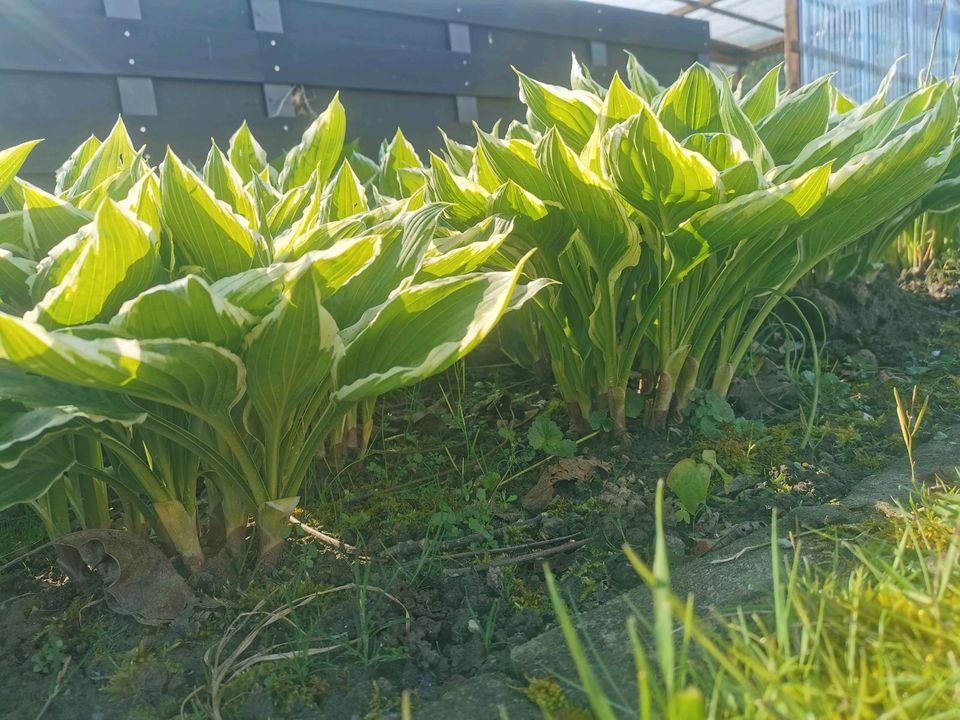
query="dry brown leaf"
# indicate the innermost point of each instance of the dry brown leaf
(563, 470)
(138, 579)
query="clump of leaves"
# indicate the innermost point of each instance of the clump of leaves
(690, 482)
(544, 434)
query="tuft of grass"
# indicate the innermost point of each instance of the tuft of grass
(873, 634)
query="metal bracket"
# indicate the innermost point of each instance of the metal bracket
(279, 100)
(459, 35)
(129, 9)
(267, 16)
(467, 109)
(137, 96)
(598, 53)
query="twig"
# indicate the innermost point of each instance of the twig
(508, 548)
(566, 547)
(57, 687)
(18, 560)
(224, 668)
(415, 546)
(323, 537)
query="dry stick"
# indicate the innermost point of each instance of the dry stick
(57, 687)
(501, 550)
(323, 537)
(223, 670)
(411, 546)
(566, 547)
(21, 558)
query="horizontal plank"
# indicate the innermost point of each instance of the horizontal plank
(555, 17)
(106, 46)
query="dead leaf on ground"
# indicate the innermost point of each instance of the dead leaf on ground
(137, 577)
(563, 470)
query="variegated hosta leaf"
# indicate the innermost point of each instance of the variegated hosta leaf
(404, 243)
(572, 112)
(292, 244)
(47, 220)
(204, 230)
(290, 354)
(111, 157)
(799, 118)
(257, 291)
(14, 273)
(877, 184)
(421, 331)
(749, 217)
(68, 173)
(395, 157)
(227, 185)
(610, 239)
(691, 104)
(98, 406)
(468, 201)
(655, 173)
(467, 251)
(641, 82)
(515, 160)
(763, 97)
(245, 153)
(11, 160)
(619, 104)
(196, 377)
(343, 196)
(186, 308)
(290, 207)
(738, 173)
(319, 149)
(91, 273)
(34, 474)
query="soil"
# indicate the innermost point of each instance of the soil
(453, 457)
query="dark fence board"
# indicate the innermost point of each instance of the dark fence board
(391, 60)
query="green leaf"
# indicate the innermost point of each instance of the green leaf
(68, 173)
(572, 112)
(204, 230)
(655, 173)
(544, 434)
(245, 153)
(515, 160)
(111, 157)
(641, 82)
(799, 118)
(611, 240)
(344, 196)
(763, 97)
(195, 377)
(47, 220)
(691, 104)
(420, 331)
(227, 184)
(754, 215)
(319, 149)
(690, 482)
(396, 156)
(11, 160)
(33, 476)
(468, 201)
(290, 354)
(91, 273)
(467, 251)
(186, 308)
(14, 273)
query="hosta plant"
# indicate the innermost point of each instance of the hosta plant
(674, 220)
(173, 329)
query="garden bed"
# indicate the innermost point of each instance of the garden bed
(460, 456)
